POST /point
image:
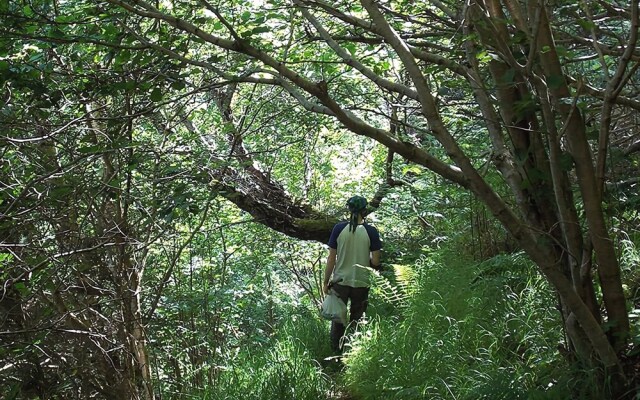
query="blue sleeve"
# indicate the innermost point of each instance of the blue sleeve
(333, 240)
(374, 237)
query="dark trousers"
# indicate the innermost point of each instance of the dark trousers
(359, 301)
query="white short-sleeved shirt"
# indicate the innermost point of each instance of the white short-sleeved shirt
(353, 249)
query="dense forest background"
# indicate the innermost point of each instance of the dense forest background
(171, 171)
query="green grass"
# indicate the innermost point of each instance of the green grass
(287, 368)
(468, 331)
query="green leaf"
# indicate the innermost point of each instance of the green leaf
(565, 161)
(556, 81)
(156, 95)
(411, 169)
(351, 47)
(27, 11)
(110, 30)
(260, 29)
(63, 19)
(593, 134)
(485, 56)
(563, 52)
(536, 175)
(21, 287)
(519, 37)
(586, 25)
(123, 57)
(178, 85)
(61, 192)
(5, 258)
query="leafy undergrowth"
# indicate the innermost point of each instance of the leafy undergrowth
(443, 328)
(287, 368)
(460, 331)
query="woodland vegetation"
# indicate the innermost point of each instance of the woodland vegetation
(171, 170)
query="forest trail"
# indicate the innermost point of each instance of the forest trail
(338, 395)
(332, 367)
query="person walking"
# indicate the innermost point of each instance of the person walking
(354, 249)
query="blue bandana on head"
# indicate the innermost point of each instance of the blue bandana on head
(356, 205)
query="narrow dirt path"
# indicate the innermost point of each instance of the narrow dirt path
(333, 367)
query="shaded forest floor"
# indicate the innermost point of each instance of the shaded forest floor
(333, 367)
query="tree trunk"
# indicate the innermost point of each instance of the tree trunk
(608, 268)
(126, 275)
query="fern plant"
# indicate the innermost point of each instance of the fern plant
(464, 331)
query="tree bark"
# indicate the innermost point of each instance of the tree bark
(608, 268)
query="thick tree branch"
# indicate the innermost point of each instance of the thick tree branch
(613, 89)
(351, 61)
(366, 25)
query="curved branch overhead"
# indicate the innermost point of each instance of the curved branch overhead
(255, 192)
(269, 205)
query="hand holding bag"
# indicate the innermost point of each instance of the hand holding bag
(333, 308)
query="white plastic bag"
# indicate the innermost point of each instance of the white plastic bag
(334, 309)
